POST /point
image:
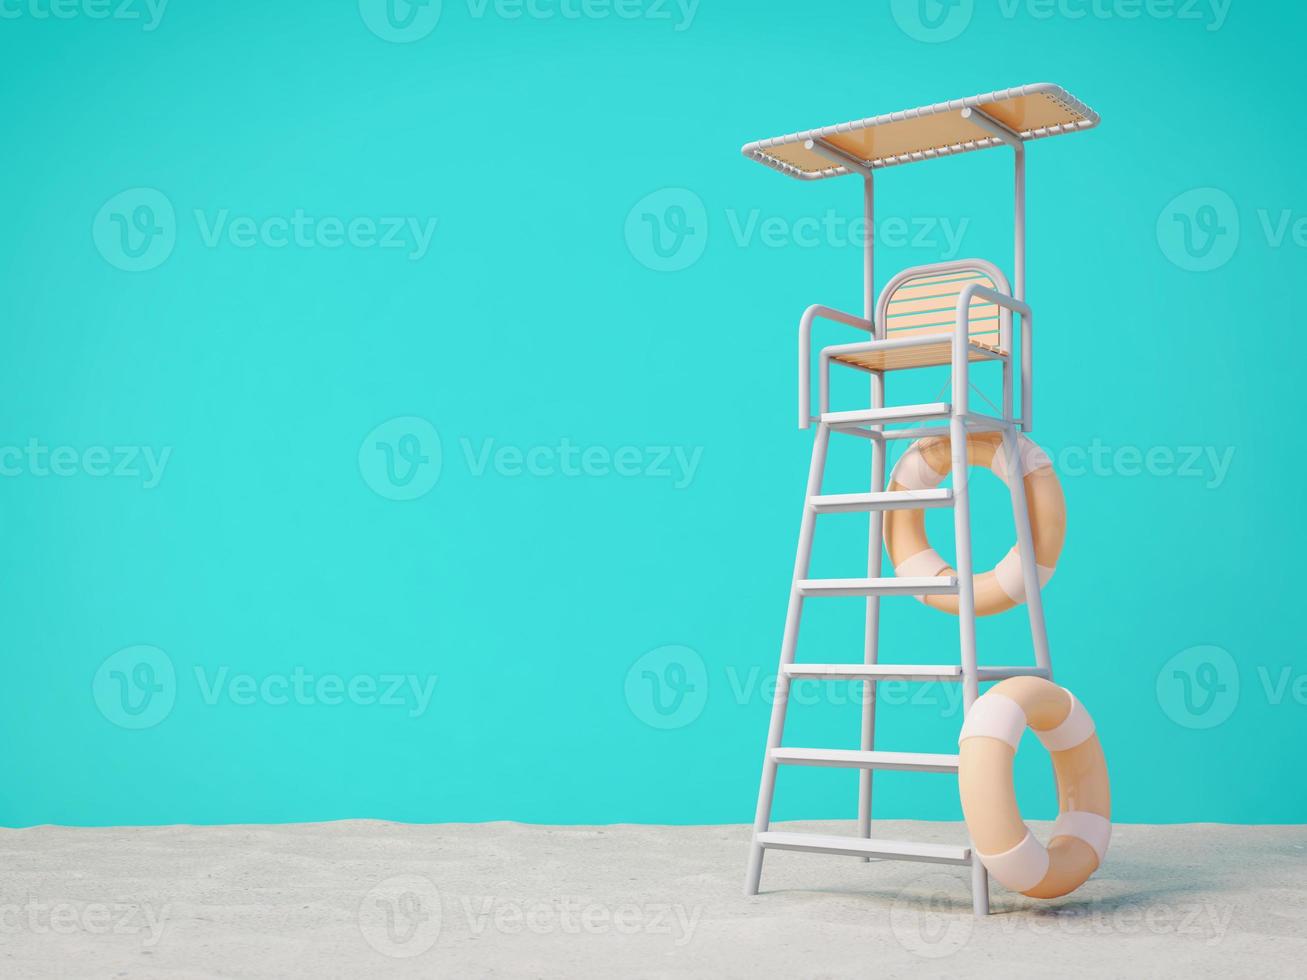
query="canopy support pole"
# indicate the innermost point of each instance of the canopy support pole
(875, 528)
(995, 128)
(871, 643)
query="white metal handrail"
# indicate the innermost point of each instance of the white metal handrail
(805, 350)
(961, 353)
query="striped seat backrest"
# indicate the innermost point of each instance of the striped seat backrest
(929, 305)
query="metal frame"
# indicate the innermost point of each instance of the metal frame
(873, 423)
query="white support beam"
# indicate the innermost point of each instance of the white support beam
(989, 124)
(837, 156)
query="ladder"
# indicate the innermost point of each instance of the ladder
(871, 424)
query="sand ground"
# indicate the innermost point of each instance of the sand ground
(373, 899)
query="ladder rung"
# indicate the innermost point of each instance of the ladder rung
(855, 759)
(905, 672)
(883, 416)
(865, 847)
(932, 585)
(876, 672)
(1003, 673)
(848, 503)
(975, 423)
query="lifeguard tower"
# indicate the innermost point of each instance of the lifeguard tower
(949, 314)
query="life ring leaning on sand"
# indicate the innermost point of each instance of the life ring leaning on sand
(924, 466)
(987, 745)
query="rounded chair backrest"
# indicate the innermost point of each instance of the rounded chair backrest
(915, 305)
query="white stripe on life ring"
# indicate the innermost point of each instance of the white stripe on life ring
(1094, 830)
(1074, 730)
(912, 472)
(1023, 867)
(995, 716)
(924, 564)
(1011, 579)
(1032, 458)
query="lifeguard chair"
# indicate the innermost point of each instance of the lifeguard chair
(944, 314)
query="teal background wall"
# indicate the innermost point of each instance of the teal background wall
(314, 510)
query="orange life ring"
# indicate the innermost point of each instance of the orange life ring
(1001, 839)
(924, 466)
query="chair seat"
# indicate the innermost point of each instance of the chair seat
(927, 355)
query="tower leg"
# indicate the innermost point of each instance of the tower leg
(871, 645)
(793, 614)
(966, 615)
(1026, 549)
